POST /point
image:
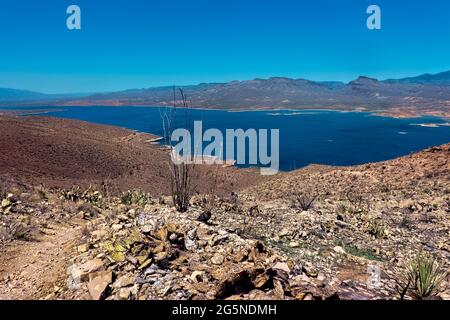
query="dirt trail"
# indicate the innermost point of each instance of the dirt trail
(35, 270)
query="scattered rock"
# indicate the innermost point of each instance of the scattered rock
(294, 244)
(84, 270)
(217, 259)
(282, 266)
(124, 281)
(98, 284)
(204, 216)
(83, 248)
(339, 249)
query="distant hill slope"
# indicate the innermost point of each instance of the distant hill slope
(60, 153)
(19, 95)
(431, 165)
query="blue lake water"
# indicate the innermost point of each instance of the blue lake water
(307, 136)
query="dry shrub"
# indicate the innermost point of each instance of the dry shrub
(181, 172)
(11, 229)
(303, 201)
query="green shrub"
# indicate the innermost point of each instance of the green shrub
(76, 194)
(363, 253)
(136, 197)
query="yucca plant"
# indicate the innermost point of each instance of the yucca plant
(424, 278)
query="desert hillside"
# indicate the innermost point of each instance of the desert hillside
(58, 153)
(316, 233)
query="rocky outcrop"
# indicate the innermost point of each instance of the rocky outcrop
(155, 252)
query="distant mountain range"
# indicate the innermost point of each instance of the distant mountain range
(424, 94)
(442, 78)
(12, 96)
(19, 95)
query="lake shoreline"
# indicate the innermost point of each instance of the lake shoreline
(395, 113)
(310, 136)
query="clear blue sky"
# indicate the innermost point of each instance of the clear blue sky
(143, 43)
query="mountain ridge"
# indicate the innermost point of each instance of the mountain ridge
(422, 95)
(441, 78)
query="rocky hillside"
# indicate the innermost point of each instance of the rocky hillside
(317, 233)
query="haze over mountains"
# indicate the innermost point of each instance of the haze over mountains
(16, 96)
(424, 94)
